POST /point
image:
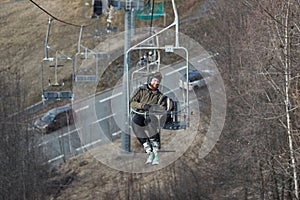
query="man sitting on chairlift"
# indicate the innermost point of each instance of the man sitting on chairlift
(143, 100)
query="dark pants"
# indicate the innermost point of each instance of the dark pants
(145, 128)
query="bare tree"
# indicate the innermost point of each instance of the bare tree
(258, 59)
(281, 71)
(23, 173)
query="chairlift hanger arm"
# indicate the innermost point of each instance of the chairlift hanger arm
(175, 23)
(47, 37)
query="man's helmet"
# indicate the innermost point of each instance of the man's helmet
(154, 75)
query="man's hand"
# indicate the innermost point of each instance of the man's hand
(147, 107)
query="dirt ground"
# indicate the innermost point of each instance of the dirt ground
(23, 33)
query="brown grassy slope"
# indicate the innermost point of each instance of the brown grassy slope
(23, 31)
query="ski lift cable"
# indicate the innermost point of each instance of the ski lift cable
(68, 23)
(152, 13)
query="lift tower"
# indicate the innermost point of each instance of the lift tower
(129, 6)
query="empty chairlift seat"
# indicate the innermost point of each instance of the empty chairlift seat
(97, 7)
(57, 95)
(66, 95)
(50, 95)
(86, 78)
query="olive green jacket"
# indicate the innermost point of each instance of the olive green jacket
(144, 95)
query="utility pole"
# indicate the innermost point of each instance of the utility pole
(125, 135)
(129, 6)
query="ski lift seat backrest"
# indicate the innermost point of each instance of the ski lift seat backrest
(97, 7)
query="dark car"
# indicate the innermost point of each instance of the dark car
(196, 80)
(54, 119)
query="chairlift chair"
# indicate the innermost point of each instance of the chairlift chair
(98, 8)
(56, 90)
(149, 55)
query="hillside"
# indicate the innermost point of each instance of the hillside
(23, 38)
(256, 47)
(25, 27)
(24, 33)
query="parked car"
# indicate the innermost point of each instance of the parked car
(196, 80)
(55, 118)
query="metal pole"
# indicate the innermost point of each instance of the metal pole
(47, 37)
(42, 78)
(176, 20)
(132, 23)
(79, 40)
(125, 135)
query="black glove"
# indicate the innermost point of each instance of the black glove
(147, 107)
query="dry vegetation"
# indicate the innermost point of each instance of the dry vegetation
(252, 160)
(23, 37)
(24, 31)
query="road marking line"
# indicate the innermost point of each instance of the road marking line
(56, 158)
(46, 142)
(174, 71)
(83, 108)
(67, 133)
(60, 136)
(102, 119)
(116, 133)
(111, 97)
(207, 57)
(87, 145)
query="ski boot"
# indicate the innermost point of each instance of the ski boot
(155, 160)
(147, 148)
(155, 146)
(150, 158)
